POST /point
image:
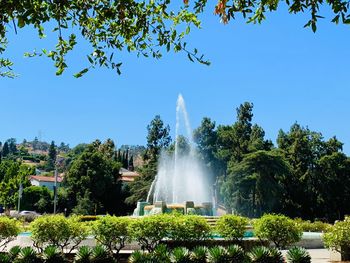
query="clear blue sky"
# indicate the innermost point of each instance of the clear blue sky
(288, 72)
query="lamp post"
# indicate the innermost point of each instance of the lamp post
(20, 191)
(55, 193)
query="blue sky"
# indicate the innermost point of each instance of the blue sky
(288, 72)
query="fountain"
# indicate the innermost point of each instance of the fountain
(181, 182)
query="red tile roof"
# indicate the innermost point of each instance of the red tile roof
(41, 178)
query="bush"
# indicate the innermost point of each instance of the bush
(189, 227)
(111, 232)
(180, 255)
(28, 255)
(235, 254)
(231, 227)
(217, 254)
(265, 255)
(316, 226)
(100, 255)
(58, 231)
(338, 236)
(52, 254)
(161, 254)
(148, 231)
(140, 257)
(298, 255)
(279, 229)
(9, 229)
(83, 255)
(199, 255)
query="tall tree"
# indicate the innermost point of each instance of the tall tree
(51, 162)
(255, 185)
(94, 176)
(206, 139)
(158, 138)
(5, 149)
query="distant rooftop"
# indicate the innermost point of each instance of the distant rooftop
(41, 178)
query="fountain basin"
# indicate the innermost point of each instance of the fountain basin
(187, 208)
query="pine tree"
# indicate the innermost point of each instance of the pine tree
(5, 149)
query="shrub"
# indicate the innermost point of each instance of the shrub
(111, 232)
(199, 255)
(279, 229)
(189, 227)
(5, 258)
(260, 255)
(231, 227)
(28, 255)
(9, 229)
(235, 254)
(52, 254)
(58, 231)
(88, 218)
(180, 255)
(298, 255)
(140, 257)
(338, 236)
(161, 254)
(83, 255)
(100, 255)
(148, 231)
(316, 226)
(217, 254)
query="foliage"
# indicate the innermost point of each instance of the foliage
(92, 182)
(52, 254)
(180, 255)
(100, 255)
(58, 231)
(279, 229)
(231, 227)
(145, 28)
(140, 257)
(36, 198)
(189, 227)
(338, 236)
(199, 255)
(298, 255)
(83, 255)
(255, 11)
(28, 255)
(260, 255)
(9, 229)
(160, 254)
(217, 254)
(111, 232)
(235, 254)
(316, 226)
(148, 231)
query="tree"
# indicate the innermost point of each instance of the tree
(143, 27)
(51, 162)
(255, 185)
(158, 138)
(93, 181)
(37, 198)
(5, 149)
(12, 146)
(206, 138)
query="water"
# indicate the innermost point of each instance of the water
(181, 175)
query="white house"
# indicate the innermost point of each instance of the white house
(48, 181)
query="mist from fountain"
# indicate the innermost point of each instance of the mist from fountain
(181, 175)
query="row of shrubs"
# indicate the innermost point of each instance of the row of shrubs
(51, 254)
(219, 254)
(66, 234)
